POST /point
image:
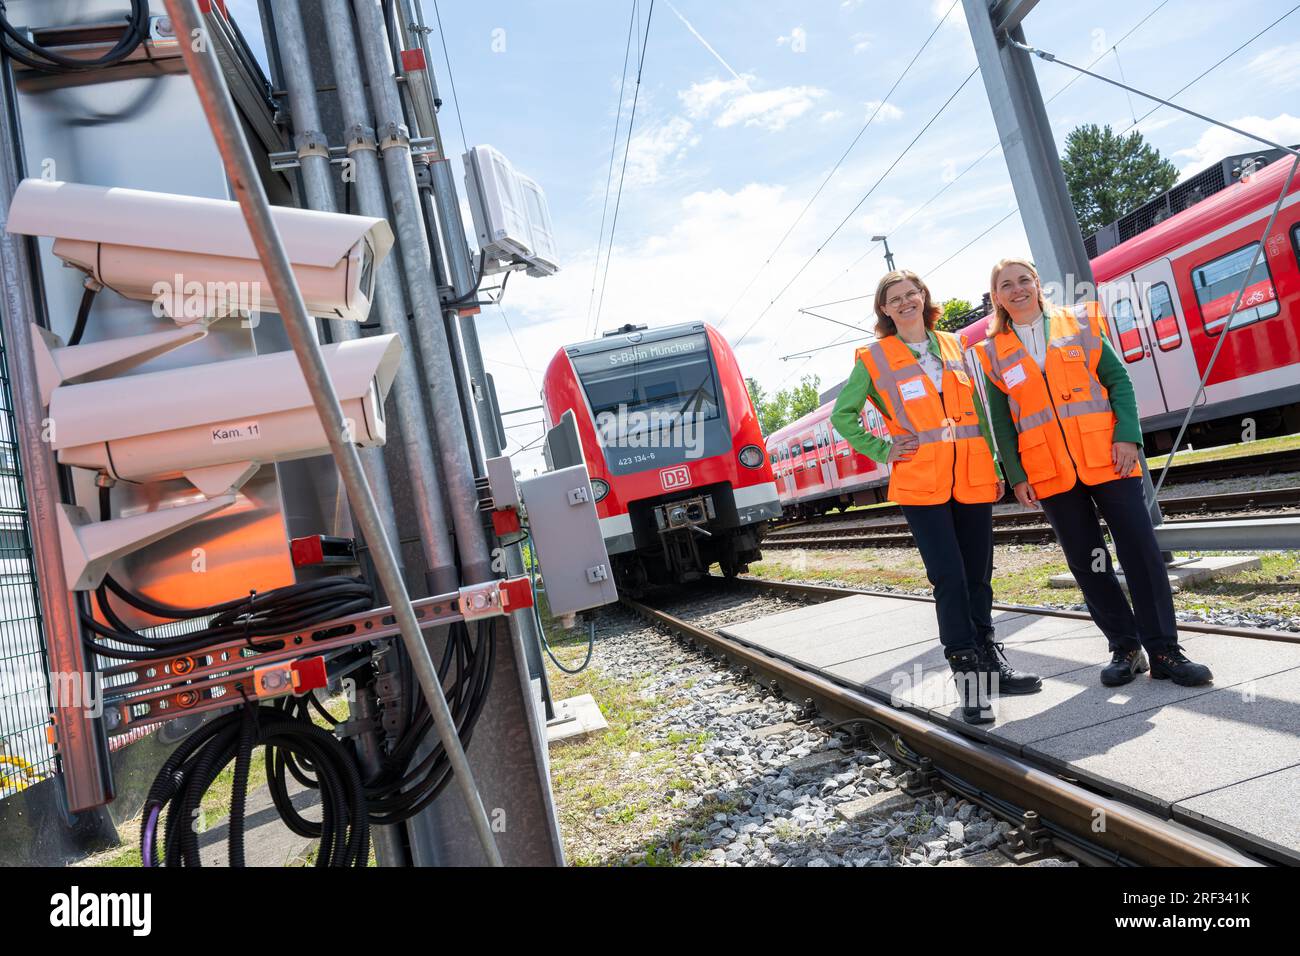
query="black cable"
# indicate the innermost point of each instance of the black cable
(344, 830)
(47, 61)
(472, 294)
(83, 313)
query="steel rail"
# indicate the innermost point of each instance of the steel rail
(1130, 831)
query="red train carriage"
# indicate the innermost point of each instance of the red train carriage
(817, 469)
(673, 446)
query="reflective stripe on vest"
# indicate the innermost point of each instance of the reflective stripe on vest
(952, 460)
(1064, 418)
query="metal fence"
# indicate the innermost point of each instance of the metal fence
(25, 753)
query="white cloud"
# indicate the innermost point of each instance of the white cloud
(888, 111)
(1278, 68)
(830, 115)
(736, 103)
(797, 39)
(861, 42)
(958, 16)
(656, 147)
(1216, 142)
(702, 97)
(850, 4)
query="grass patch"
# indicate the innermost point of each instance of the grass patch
(1258, 447)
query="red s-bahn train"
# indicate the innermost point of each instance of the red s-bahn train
(672, 443)
(1167, 285)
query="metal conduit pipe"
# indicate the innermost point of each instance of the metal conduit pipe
(317, 174)
(313, 156)
(453, 445)
(446, 211)
(391, 305)
(209, 83)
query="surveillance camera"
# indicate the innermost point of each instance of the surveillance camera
(193, 257)
(215, 424)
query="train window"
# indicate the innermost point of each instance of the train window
(653, 386)
(1130, 338)
(1217, 283)
(808, 445)
(1164, 320)
(821, 440)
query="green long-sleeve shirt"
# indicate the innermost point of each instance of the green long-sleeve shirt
(859, 389)
(1113, 377)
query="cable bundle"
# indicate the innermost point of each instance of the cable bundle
(289, 739)
(401, 790)
(47, 61)
(281, 611)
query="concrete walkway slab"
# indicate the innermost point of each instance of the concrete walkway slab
(1265, 807)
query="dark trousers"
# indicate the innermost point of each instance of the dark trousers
(1073, 516)
(956, 544)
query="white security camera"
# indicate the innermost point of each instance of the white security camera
(193, 257)
(216, 424)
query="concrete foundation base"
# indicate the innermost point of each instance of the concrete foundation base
(1185, 571)
(575, 718)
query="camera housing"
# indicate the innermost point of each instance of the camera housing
(193, 257)
(215, 424)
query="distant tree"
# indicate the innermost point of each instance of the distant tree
(953, 310)
(804, 396)
(1109, 174)
(786, 405)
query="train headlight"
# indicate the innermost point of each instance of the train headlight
(751, 456)
(599, 488)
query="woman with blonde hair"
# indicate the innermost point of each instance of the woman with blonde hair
(1066, 420)
(943, 474)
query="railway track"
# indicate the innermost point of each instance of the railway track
(1019, 527)
(1049, 813)
(1271, 463)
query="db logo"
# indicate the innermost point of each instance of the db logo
(678, 477)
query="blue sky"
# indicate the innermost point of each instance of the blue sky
(744, 108)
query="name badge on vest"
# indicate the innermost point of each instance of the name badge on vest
(1014, 375)
(911, 389)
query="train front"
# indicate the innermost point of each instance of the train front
(673, 446)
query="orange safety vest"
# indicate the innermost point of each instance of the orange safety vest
(952, 459)
(1065, 422)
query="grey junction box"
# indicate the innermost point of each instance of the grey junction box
(564, 529)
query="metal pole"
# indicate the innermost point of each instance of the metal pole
(313, 155)
(83, 756)
(889, 256)
(452, 228)
(390, 303)
(210, 86)
(453, 446)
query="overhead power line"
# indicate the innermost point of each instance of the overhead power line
(858, 205)
(627, 148)
(808, 205)
(609, 176)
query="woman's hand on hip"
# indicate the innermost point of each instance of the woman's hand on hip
(1125, 455)
(1025, 495)
(1002, 490)
(903, 448)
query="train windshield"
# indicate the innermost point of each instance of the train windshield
(650, 387)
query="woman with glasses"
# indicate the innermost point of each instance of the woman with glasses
(942, 473)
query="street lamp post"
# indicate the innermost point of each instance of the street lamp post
(889, 256)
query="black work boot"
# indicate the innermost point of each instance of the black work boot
(1123, 667)
(972, 681)
(1173, 664)
(1009, 680)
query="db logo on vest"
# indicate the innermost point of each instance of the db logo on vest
(678, 477)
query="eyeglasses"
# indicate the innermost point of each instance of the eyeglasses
(898, 300)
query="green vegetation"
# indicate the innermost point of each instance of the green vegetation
(1109, 174)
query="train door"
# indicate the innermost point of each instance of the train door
(1172, 354)
(826, 454)
(1128, 334)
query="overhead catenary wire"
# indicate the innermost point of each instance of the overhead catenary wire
(834, 232)
(627, 148)
(609, 176)
(884, 101)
